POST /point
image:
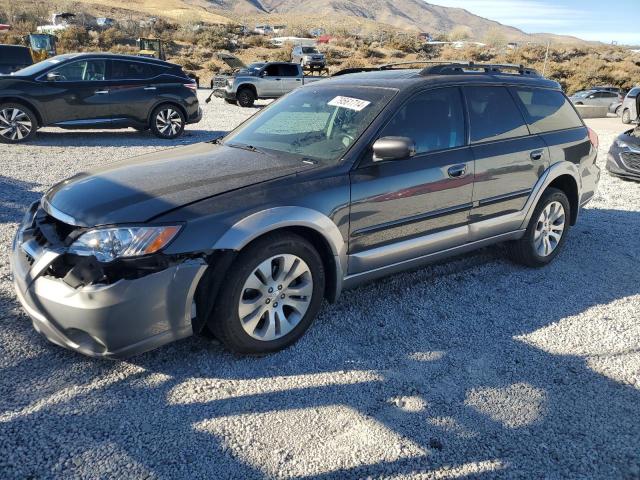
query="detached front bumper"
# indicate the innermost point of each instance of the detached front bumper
(616, 166)
(224, 93)
(116, 320)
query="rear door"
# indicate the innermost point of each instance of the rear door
(79, 95)
(291, 77)
(134, 88)
(508, 159)
(399, 200)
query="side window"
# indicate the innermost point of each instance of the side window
(121, 70)
(288, 70)
(272, 71)
(547, 110)
(81, 71)
(633, 93)
(433, 119)
(493, 115)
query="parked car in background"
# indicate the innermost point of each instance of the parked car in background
(616, 108)
(97, 90)
(14, 58)
(623, 159)
(261, 80)
(630, 107)
(602, 98)
(336, 184)
(308, 57)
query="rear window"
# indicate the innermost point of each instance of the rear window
(493, 115)
(123, 70)
(15, 56)
(547, 110)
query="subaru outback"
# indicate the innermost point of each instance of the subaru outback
(335, 184)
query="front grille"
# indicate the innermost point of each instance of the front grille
(631, 160)
(49, 231)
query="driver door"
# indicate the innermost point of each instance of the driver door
(79, 93)
(424, 200)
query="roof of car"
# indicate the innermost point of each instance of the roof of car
(116, 56)
(406, 78)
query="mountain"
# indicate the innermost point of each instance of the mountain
(406, 14)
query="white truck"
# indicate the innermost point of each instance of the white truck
(260, 80)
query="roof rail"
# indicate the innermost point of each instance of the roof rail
(472, 67)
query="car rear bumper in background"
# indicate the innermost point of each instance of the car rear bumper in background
(115, 320)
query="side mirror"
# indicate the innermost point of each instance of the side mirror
(393, 148)
(591, 96)
(53, 77)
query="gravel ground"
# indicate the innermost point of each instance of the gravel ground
(475, 367)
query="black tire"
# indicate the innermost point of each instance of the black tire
(230, 101)
(245, 97)
(524, 251)
(170, 117)
(225, 322)
(18, 123)
(626, 116)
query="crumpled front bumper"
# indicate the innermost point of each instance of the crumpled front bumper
(116, 320)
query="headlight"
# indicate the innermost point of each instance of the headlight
(230, 82)
(107, 244)
(621, 144)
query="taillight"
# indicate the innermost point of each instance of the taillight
(192, 86)
(593, 138)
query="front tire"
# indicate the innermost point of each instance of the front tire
(546, 233)
(17, 123)
(271, 295)
(626, 117)
(167, 122)
(245, 98)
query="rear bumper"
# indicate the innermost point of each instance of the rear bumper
(115, 320)
(196, 116)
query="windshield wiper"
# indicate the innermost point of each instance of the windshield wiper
(249, 148)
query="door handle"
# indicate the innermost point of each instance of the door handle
(536, 155)
(277, 79)
(298, 79)
(457, 171)
(101, 92)
(150, 88)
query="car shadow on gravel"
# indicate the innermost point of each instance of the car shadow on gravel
(124, 138)
(477, 373)
(16, 196)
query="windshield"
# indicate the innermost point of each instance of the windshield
(253, 68)
(41, 66)
(318, 124)
(309, 50)
(582, 94)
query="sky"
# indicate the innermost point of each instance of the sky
(600, 20)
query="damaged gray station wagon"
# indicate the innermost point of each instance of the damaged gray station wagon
(337, 183)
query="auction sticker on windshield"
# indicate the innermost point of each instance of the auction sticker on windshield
(349, 102)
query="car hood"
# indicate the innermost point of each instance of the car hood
(232, 61)
(144, 187)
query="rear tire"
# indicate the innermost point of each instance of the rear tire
(271, 295)
(167, 122)
(546, 233)
(18, 123)
(245, 98)
(626, 117)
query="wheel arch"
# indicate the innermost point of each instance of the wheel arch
(569, 186)
(249, 86)
(314, 226)
(26, 103)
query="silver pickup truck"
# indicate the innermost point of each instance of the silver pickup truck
(259, 80)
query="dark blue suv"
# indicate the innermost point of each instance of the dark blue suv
(96, 90)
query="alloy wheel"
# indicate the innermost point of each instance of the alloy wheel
(168, 122)
(275, 297)
(15, 124)
(549, 229)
